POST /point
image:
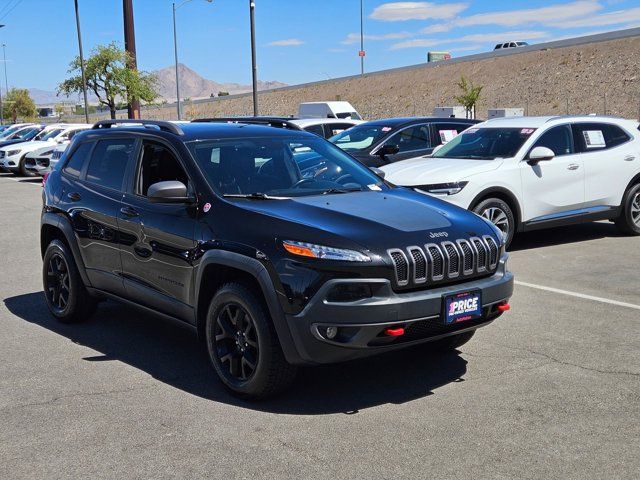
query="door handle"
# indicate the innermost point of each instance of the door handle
(74, 196)
(129, 212)
(573, 166)
(629, 158)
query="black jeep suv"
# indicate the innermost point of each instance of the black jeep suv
(277, 247)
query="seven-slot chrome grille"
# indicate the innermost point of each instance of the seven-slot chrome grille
(445, 261)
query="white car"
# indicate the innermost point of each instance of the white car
(528, 173)
(13, 157)
(41, 161)
(324, 127)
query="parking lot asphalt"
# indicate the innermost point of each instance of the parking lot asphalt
(550, 390)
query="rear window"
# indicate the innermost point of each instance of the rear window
(109, 162)
(77, 159)
(590, 137)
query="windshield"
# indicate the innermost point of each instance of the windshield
(27, 133)
(46, 135)
(485, 143)
(360, 137)
(280, 167)
(10, 131)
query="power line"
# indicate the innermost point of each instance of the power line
(11, 10)
(7, 5)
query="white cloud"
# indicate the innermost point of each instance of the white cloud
(478, 38)
(400, 11)
(558, 14)
(355, 37)
(290, 42)
(619, 17)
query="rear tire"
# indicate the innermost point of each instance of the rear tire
(629, 220)
(500, 214)
(65, 293)
(243, 345)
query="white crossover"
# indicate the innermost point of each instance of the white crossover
(525, 173)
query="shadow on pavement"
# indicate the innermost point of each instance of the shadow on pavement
(174, 356)
(562, 235)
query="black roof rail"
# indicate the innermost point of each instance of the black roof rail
(278, 122)
(164, 126)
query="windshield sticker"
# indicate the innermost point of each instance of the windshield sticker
(374, 187)
(471, 130)
(386, 129)
(594, 139)
(447, 135)
(527, 131)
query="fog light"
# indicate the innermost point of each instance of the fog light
(349, 292)
(331, 332)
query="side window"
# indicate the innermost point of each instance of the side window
(76, 161)
(558, 139)
(109, 162)
(158, 164)
(317, 129)
(445, 132)
(412, 138)
(614, 135)
(336, 128)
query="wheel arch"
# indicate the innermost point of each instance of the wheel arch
(218, 267)
(54, 227)
(506, 196)
(635, 180)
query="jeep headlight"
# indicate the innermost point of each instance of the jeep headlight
(312, 250)
(11, 153)
(442, 188)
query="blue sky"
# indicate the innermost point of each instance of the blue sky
(298, 40)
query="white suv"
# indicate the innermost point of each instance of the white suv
(528, 173)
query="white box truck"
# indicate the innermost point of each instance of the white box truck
(328, 110)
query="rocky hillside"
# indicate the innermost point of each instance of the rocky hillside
(193, 86)
(589, 78)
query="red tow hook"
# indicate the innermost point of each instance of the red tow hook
(394, 332)
(503, 307)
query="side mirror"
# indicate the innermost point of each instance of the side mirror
(377, 171)
(540, 154)
(171, 191)
(388, 149)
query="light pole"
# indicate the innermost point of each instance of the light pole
(254, 68)
(361, 53)
(1, 104)
(175, 52)
(84, 79)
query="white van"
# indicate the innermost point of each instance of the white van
(328, 110)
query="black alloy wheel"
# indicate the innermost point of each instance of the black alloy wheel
(58, 283)
(236, 344)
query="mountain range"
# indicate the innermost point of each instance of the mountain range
(192, 85)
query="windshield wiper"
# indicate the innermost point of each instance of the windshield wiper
(252, 196)
(341, 190)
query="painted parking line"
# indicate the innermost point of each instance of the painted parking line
(579, 295)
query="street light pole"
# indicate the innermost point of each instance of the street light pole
(254, 68)
(1, 104)
(361, 40)
(84, 78)
(175, 53)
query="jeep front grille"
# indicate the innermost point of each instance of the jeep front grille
(444, 262)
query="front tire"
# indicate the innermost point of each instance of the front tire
(500, 214)
(629, 220)
(243, 346)
(65, 293)
(22, 169)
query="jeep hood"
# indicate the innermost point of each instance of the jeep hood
(371, 220)
(428, 170)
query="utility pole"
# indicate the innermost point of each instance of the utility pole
(175, 53)
(84, 79)
(130, 46)
(1, 104)
(254, 68)
(361, 53)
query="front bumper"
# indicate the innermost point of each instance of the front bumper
(361, 323)
(11, 164)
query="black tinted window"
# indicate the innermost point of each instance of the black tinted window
(445, 132)
(158, 164)
(109, 162)
(74, 165)
(614, 135)
(412, 138)
(558, 139)
(591, 137)
(317, 129)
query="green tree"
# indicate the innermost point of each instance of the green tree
(19, 104)
(109, 78)
(469, 97)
